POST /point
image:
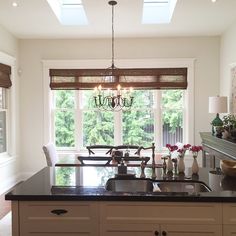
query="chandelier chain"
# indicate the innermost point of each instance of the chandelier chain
(112, 39)
(107, 100)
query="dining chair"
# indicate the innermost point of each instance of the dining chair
(51, 154)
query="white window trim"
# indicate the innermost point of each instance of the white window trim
(124, 63)
(11, 104)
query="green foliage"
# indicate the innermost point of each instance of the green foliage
(98, 127)
(172, 103)
(138, 123)
(64, 119)
(229, 121)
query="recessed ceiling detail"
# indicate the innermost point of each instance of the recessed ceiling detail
(69, 12)
(158, 11)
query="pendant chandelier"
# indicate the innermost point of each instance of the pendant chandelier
(114, 99)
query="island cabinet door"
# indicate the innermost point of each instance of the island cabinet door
(191, 230)
(59, 218)
(229, 219)
(130, 230)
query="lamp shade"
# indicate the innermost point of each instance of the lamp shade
(218, 104)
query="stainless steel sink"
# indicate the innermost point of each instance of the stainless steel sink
(180, 186)
(147, 185)
(129, 185)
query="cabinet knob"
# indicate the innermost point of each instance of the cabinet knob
(156, 233)
(164, 233)
(59, 211)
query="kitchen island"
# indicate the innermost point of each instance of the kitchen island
(74, 201)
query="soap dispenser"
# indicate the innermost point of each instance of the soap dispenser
(122, 167)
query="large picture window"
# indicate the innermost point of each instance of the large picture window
(163, 109)
(77, 124)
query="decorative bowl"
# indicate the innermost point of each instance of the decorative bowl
(228, 167)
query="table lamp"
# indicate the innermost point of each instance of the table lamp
(217, 105)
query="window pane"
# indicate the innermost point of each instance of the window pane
(138, 127)
(172, 99)
(172, 116)
(3, 145)
(87, 99)
(2, 98)
(64, 99)
(143, 98)
(98, 128)
(64, 128)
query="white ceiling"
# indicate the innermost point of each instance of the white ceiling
(34, 19)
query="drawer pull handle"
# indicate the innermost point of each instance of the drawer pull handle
(164, 233)
(156, 233)
(59, 211)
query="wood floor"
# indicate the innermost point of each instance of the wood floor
(5, 206)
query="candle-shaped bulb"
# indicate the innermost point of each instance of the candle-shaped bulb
(95, 91)
(118, 89)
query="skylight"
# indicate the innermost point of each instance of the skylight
(158, 11)
(69, 12)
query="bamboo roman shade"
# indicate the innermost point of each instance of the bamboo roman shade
(139, 78)
(5, 72)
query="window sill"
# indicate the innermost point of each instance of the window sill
(5, 159)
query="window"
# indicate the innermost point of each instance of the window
(3, 121)
(5, 84)
(134, 127)
(157, 125)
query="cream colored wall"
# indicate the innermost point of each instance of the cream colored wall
(204, 49)
(9, 44)
(9, 165)
(227, 56)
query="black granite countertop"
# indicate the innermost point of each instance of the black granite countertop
(87, 184)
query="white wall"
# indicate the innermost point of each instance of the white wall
(9, 165)
(204, 49)
(227, 56)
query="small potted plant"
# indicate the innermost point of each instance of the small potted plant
(229, 124)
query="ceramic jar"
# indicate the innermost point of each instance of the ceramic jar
(181, 165)
(169, 164)
(195, 167)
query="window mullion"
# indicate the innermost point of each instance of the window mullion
(158, 121)
(118, 129)
(79, 121)
(185, 119)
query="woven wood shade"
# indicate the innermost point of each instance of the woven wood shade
(5, 72)
(157, 78)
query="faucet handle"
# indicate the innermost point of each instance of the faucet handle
(142, 165)
(164, 165)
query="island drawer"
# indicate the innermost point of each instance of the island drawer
(162, 212)
(53, 217)
(229, 213)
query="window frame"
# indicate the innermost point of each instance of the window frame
(5, 109)
(188, 119)
(11, 130)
